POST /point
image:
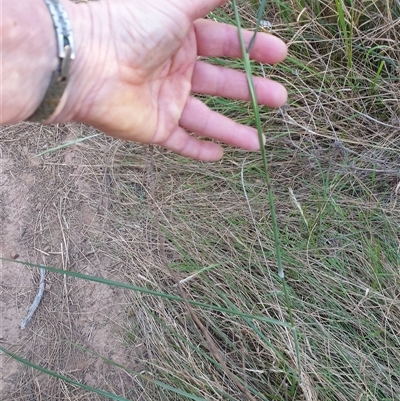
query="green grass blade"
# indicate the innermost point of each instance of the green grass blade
(65, 145)
(145, 377)
(149, 292)
(346, 34)
(278, 251)
(63, 378)
(259, 17)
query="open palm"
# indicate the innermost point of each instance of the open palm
(144, 66)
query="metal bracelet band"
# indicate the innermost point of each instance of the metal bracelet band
(66, 53)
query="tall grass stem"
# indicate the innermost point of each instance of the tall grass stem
(277, 242)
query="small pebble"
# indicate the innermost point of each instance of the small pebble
(265, 24)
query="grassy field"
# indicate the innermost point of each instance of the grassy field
(334, 161)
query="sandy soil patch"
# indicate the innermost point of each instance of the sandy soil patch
(55, 211)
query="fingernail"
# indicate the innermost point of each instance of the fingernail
(257, 141)
(264, 138)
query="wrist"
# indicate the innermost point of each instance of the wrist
(63, 110)
(88, 31)
(30, 57)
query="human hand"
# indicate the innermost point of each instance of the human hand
(137, 65)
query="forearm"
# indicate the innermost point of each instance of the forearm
(29, 57)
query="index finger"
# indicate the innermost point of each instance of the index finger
(216, 39)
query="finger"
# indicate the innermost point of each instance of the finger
(219, 81)
(222, 40)
(186, 145)
(202, 121)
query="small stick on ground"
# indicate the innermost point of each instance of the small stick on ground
(36, 301)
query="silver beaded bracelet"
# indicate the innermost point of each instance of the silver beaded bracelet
(66, 53)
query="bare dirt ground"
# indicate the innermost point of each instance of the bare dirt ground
(55, 210)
